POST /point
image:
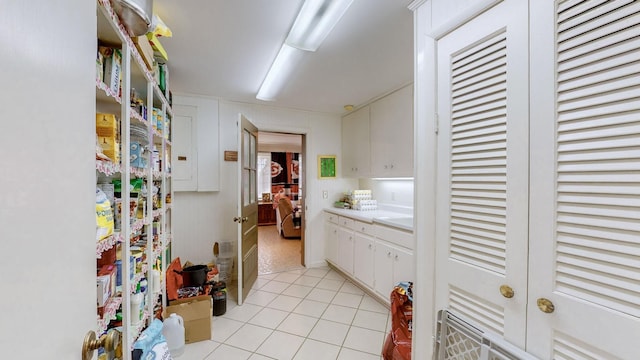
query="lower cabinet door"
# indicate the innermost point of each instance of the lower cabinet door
(403, 266)
(331, 242)
(345, 250)
(383, 269)
(363, 262)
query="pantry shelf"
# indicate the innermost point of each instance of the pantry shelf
(109, 313)
(107, 243)
(107, 168)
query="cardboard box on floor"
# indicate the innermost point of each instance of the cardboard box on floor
(196, 313)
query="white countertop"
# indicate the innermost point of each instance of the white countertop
(400, 220)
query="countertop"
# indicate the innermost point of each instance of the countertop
(400, 220)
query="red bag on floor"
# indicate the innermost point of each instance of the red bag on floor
(398, 343)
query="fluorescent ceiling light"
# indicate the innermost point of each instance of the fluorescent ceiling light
(279, 72)
(315, 21)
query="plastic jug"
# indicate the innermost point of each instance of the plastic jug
(173, 331)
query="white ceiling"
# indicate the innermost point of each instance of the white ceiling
(224, 48)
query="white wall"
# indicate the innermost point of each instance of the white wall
(200, 219)
(396, 192)
(47, 179)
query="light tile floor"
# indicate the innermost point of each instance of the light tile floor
(302, 314)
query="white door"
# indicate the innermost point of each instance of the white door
(585, 177)
(47, 181)
(482, 167)
(247, 218)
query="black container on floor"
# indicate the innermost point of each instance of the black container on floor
(219, 295)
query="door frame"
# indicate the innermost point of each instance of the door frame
(305, 163)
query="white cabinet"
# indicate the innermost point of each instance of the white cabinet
(393, 264)
(355, 144)
(391, 134)
(372, 255)
(345, 249)
(363, 263)
(196, 159)
(331, 238)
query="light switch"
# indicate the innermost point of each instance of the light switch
(325, 194)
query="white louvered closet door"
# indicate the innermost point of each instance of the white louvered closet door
(585, 193)
(482, 191)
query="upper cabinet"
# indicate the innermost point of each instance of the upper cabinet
(391, 134)
(355, 143)
(377, 140)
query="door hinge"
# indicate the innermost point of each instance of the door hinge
(437, 123)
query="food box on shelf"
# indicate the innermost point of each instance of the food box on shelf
(109, 271)
(196, 312)
(107, 125)
(99, 66)
(145, 49)
(103, 288)
(158, 49)
(110, 148)
(113, 69)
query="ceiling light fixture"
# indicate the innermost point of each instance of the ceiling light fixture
(315, 21)
(279, 72)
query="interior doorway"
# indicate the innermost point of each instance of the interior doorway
(280, 209)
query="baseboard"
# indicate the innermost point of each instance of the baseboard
(383, 301)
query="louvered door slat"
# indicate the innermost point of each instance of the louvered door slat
(478, 54)
(596, 62)
(598, 142)
(602, 211)
(496, 73)
(569, 9)
(476, 309)
(590, 91)
(478, 85)
(599, 199)
(474, 164)
(495, 241)
(626, 71)
(596, 244)
(565, 231)
(615, 93)
(479, 91)
(579, 257)
(596, 20)
(599, 48)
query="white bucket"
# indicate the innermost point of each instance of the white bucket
(173, 331)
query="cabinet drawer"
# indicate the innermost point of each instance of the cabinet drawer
(363, 227)
(346, 222)
(395, 236)
(330, 217)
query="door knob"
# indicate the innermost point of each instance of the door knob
(506, 291)
(245, 219)
(545, 305)
(236, 219)
(109, 342)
